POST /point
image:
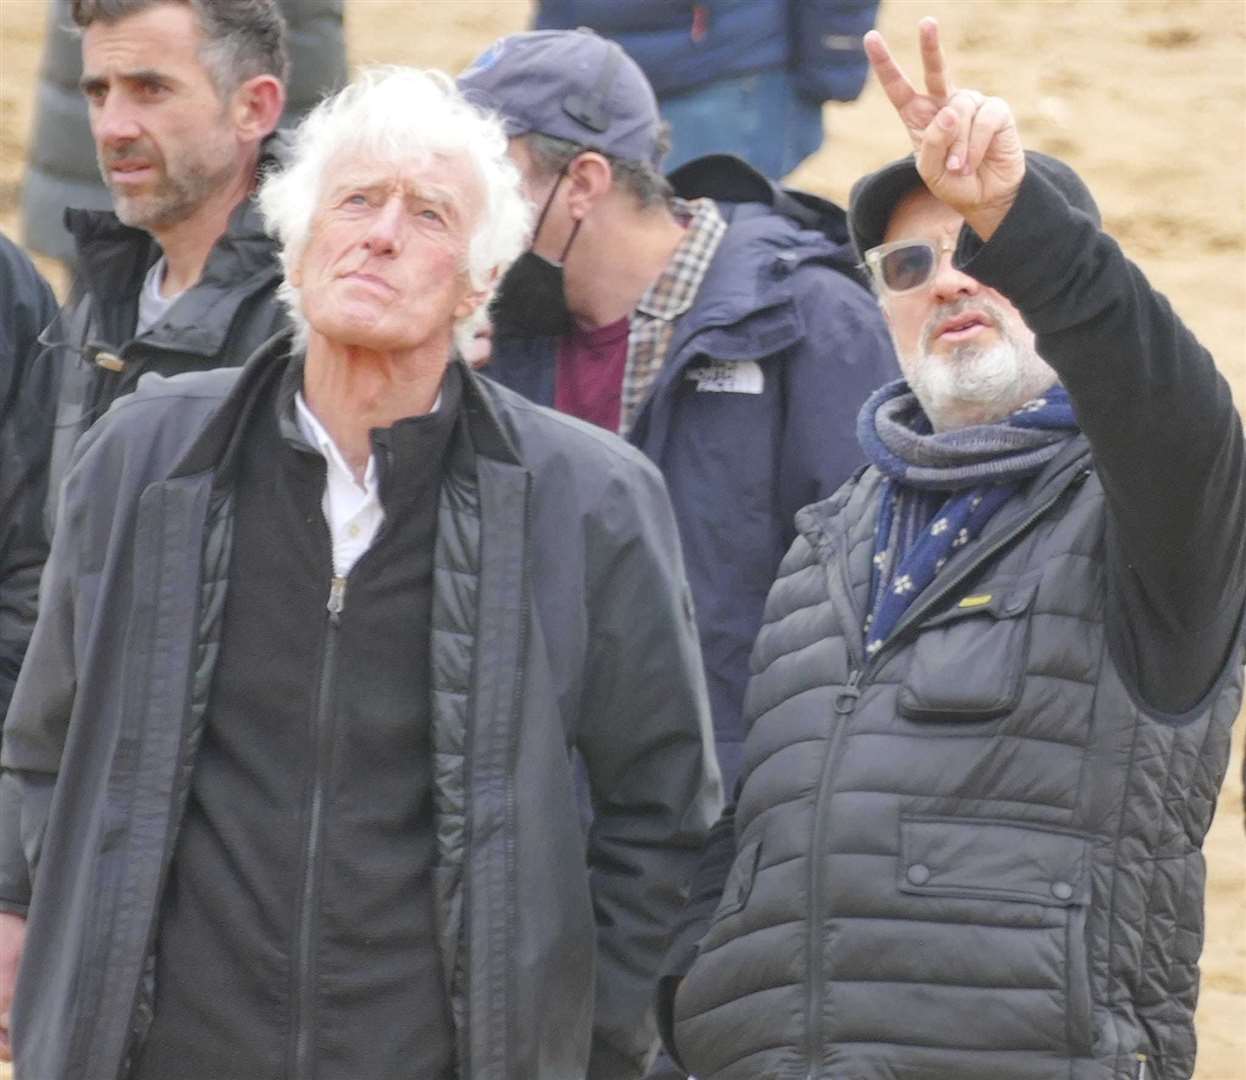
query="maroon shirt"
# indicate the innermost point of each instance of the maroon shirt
(588, 380)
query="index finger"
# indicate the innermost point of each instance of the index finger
(894, 82)
(934, 66)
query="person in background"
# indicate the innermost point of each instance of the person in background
(741, 77)
(61, 170)
(992, 700)
(288, 786)
(184, 98)
(722, 336)
(27, 305)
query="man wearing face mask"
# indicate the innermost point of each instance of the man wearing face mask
(713, 321)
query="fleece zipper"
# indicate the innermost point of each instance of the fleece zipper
(322, 755)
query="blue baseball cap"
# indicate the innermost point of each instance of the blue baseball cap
(569, 84)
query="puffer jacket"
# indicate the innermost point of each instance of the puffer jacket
(223, 319)
(62, 172)
(1001, 847)
(560, 622)
(977, 853)
(681, 46)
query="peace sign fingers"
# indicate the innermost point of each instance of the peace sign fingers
(915, 109)
(938, 82)
(966, 145)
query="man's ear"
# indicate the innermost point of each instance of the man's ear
(472, 300)
(257, 106)
(590, 177)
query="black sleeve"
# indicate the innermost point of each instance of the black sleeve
(1166, 439)
(26, 423)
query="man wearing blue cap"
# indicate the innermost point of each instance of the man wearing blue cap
(992, 698)
(723, 335)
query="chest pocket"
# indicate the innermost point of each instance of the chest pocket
(968, 661)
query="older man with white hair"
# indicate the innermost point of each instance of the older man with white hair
(289, 785)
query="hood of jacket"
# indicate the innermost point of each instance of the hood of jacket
(744, 306)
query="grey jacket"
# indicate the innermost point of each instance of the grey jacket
(61, 171)
(561, 622)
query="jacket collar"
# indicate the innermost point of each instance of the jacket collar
(483, 427)
(744, 309)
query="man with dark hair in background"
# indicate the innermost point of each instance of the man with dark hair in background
(716, 326)
(60, 168)
(183, 97)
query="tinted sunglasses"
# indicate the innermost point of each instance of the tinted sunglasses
(905, 265)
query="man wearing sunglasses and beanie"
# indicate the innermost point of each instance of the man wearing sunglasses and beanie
(993, 691)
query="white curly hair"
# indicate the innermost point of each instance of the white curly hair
(400, 116)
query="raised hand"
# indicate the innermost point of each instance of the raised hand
(968, 151)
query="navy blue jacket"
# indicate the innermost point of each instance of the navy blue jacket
(820, 40)
(777, 300)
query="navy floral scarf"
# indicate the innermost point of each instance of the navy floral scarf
(942, 488)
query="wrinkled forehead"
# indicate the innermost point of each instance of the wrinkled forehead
(445, 177)
(918, 215)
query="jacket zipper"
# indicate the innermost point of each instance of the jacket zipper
(846, 703)
(305, 967)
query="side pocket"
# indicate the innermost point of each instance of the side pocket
(1081, 1007)
(1013, 875)
(968, 661)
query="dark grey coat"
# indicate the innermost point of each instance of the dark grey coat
(560, 620)
(1007, 881)
(61, 171)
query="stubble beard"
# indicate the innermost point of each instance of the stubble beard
(975, 383)
(181, 190)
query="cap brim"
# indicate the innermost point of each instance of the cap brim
(874, 197)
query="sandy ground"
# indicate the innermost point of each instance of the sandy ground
(1146, 98)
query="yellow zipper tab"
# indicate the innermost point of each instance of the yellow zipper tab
(975, 601)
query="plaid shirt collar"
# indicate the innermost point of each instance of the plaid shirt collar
(676, 287)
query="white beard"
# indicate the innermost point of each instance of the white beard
(976, 384)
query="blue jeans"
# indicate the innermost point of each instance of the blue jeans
(759, 117)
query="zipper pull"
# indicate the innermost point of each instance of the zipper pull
(1141, 1073)
(846, 699)
(337, 599)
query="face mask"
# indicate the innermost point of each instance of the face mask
(531, 299)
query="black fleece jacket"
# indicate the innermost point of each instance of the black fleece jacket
(1166, 438)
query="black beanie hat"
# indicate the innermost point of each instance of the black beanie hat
(875, 195)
